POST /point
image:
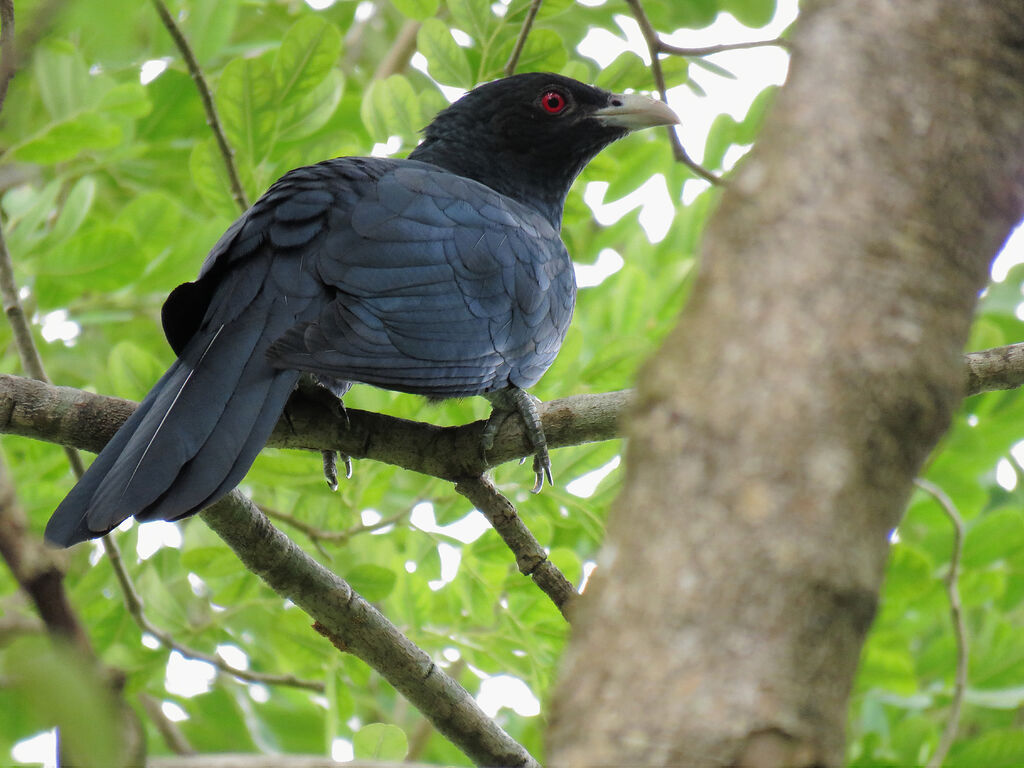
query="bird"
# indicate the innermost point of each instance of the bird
(442, 274)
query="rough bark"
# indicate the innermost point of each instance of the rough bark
(778, 430)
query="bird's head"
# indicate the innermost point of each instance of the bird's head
(528, 136)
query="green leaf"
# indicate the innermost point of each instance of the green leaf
(103, 251)
(211, 178)
(517, 9)
(626, 71)
(176, 109)
(65, 141)
(995, 749)
(374, 582)
(445, 59)
(431, 101)
(75, 209)
(890, 669)
(308, 53)
(909, 573)
(992, 537)
(646, 155)
(750, 13)
(390, 108)
(247, 103)
(676, 71)
(127, 99)
(132, 370)
(710, 66)
(568, 562)
(62, 79)
(308, 115)
(692, 14)
(544, 51)
(208, 26)
(473, 17)
(380, 741)
(721, 136)
(416, 9)
(751, 124)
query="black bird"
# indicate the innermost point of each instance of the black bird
(441, 275)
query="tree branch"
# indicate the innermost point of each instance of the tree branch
(653, 47)
(85, 420)
(524, 32)
(956, 618)
(995, 369)
(68, 416)
(355, 626)
(530, 555)
(227, 155)
(676, 50)
(169, 730)
(401, 51)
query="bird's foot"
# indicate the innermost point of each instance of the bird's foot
(328, 393)
(331, 467)
(516, 400)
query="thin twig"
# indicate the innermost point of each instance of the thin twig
(956, 618)
(36, 27)
(333, 537)
(530, 555)
(400, 53)
(709, 50)
(204, 94)
(20, 326)
(7, 56)
(133, 602)
(22, 331)
(169, 730)
(653, 47)
(524, 32)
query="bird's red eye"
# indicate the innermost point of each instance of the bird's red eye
(553, 102)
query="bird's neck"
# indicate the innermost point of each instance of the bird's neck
(540, 189)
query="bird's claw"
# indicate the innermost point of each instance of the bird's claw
(331, 467)
(519, 401)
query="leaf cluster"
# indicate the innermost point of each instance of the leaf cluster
(112, 190)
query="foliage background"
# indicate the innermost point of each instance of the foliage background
(112, 193)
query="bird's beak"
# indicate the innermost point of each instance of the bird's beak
(633, 112)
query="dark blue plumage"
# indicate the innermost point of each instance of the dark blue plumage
(442, 275)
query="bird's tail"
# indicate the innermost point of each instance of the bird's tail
(191, 440)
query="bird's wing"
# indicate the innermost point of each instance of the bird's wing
(440, 286)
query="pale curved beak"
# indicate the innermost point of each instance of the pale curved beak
(633, 111)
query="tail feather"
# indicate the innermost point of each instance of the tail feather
(68, 524)
(273, 404)
(224, 458)
(160, 447)
(191, 440)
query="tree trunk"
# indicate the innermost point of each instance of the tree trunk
(778, 431)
